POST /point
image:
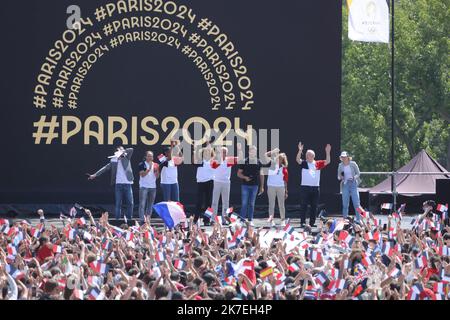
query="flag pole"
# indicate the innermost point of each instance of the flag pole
(393, 186)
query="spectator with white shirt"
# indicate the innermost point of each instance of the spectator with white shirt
(149, 173)
(205, 174)
(348, 175)
(122, 178)
(309, 190)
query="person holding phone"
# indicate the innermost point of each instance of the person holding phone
(348, 174)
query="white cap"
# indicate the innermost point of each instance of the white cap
(344, 154)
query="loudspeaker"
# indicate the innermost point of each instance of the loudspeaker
(443, 190)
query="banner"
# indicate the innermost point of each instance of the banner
(368, 20)
(80, 78)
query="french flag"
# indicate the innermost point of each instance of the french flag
(362, 212)
(421, 261)
(368, 260)
(288, 228)
(395, 273)
(439, 287)
(414, 293)
(442, 208)
(316, 255)
(209, 213)
(160, 256)
(57, 249)
(162, 158)
(387, 249)
(35, 233)
(387, 206)
(172, 213)
(321, 278)
(94, 293)
(12, 250)
(99, 267)
(129, 236)
(106, 244)
(4, 222)
(71, 233)
(179, 264)
(443, 251)
(232, 244)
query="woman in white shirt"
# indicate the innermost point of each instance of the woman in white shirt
(205, 174)
(277, 184)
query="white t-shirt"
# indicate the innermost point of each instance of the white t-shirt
(205, 172)
(149, 181)
(347, 173)
(276, 177)
(222, 173)
(169, 173)
(311, 172)
(121, 177)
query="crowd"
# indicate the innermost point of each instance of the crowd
(359, 259)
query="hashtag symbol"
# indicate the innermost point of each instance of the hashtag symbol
(108, 29)
(113, 42)
(186, 50)
(57, 102)
(204, 24)
(72, 104)
(194, 38)
(39, 102)
(100, 14)
(50, 133)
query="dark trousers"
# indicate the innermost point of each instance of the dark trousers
(204, 199)
(308, 196)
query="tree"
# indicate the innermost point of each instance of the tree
(421, 90)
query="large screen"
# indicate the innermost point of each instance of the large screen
(81, 77)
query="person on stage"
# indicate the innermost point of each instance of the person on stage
(122, 178)
(149, 173)
(251, 175)
(205, 174)
(173, 157)
(348, 175)
(222, 174)
(309, 190)
(277, 184)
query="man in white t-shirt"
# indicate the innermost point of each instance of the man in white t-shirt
(122, 178)
(149, 173)
(309, 190)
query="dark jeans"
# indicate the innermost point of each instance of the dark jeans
(308, 196)
(171, 192)
(204, 199)
(124, 195)
(248, 201)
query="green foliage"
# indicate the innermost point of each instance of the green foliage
(422, 83)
